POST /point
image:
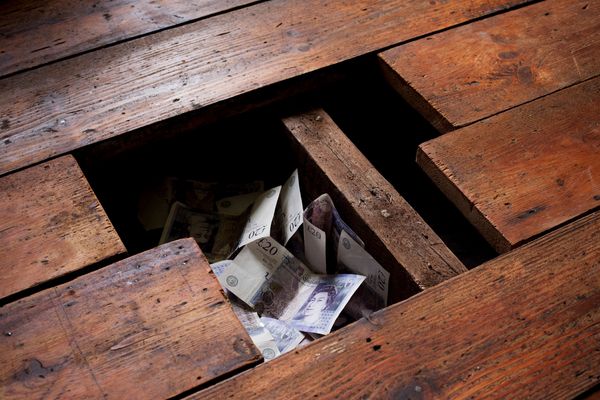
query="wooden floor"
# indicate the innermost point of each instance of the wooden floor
(460, 140)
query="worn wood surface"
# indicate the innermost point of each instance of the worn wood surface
(472, 72)
(525, 325)
(69, 104)
(34, 32)
(523, 172)
(415, 256)
(148, 327)
(51, 223)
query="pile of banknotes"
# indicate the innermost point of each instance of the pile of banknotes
(292, 273)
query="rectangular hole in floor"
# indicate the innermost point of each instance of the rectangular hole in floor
(239, 147)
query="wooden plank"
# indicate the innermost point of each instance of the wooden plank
(149, 327)
(469, 73)
(525, 171)
(51, 223)
(401, 239)
(524, 325)
(35, 32)
(69, 104)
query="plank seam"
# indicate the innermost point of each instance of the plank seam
(130, 38)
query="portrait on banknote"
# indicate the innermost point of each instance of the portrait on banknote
(325, 303)
(319, 304)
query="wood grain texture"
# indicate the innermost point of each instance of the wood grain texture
(69, 104)
(525, 325)
(525, 171)
(51, 223)
(469, 73)
(403, 241)
(35, 32)
(148, 327)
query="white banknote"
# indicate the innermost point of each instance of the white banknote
(258, 332)
(286, 336)
(276, 284)
(288, 215)
(261, 216)
(233, 214)
(322, 228)
(261, 336)
(372, 295)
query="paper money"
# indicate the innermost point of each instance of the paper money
(372, 295)
(228, 236)
(262, 338)
(185, 222)
(322, 228)
(276, 284)
(233, 214)
(235, 206)
(243, 218)
(354, 258)
(288, 215)
(201, 196)
(286, 336)
(261, 216)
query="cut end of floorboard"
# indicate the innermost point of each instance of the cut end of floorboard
(472, 72)
(526, 171)
(51, 223)
(151, 326)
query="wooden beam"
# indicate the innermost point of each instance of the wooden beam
(524, 325)
(36, 32)
(460, 76)
(51, 223)
(404, 243)
(525, 171)
(105, 93)
(149, 327)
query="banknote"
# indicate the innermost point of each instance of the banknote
(258, 224)
(186, 222)
(286, 336)
(262, 338)
(158, 196)
(270, 279)
(237, 205)
(201, 196)
(373, 294)
(197, 195)
(242, 218)
(261, 335)
(288, 214)
(233, 214)
(322, 228)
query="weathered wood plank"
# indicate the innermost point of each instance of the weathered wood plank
(525, 171)
(35, 32)
(69, 104)
(525, 325)
(51, 223)
(469, 73)
(404, 243)
(151, 326)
